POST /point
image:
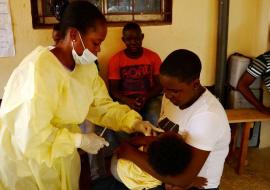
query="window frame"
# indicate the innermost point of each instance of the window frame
(39, 20)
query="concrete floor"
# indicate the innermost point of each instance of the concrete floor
(256, 175)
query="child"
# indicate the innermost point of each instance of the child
(168, 154)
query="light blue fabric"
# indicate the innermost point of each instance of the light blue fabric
(151, 110)
(97, 161)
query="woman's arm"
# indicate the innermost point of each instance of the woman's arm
(104, 112)
(30, 100)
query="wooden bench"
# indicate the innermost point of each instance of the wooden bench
(247, 117)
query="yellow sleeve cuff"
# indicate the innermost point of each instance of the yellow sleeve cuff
(77, 139)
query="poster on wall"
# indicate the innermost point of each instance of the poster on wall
(6, 34)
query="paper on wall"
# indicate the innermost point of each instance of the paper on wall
(6, 34)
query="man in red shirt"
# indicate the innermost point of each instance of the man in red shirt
(134, 75)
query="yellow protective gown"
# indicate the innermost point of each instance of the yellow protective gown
(42, 106)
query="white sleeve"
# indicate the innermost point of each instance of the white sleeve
(204, 130)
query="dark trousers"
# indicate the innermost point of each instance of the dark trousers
(194, 188)
(110, 183)
(107, 183)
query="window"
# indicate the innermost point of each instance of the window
(117, 12)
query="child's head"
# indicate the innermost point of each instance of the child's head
(179, 76)
(169, 154)
(132, 37)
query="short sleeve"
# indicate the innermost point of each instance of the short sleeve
(204, 130)
(114, 68)
(257, 67)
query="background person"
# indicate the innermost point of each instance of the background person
(259, 67)
(45, 99)
(133, 75)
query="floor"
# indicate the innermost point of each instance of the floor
(256, 175)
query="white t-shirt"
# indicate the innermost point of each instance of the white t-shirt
(205, 126)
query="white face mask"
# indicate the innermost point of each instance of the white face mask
(87, 57)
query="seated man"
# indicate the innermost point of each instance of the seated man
(133, 75)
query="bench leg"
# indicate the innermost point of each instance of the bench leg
(234, 135)
(244, 147)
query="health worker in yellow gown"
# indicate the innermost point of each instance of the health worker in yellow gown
(45, 99)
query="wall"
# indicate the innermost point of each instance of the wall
(194, 27)
(24, 36)
(192, 19)
(248, 26)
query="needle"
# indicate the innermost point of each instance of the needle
(102, 132)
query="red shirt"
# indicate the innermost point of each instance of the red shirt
(135, 75)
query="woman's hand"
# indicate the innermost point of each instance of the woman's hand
(199, 182)
(92, 143)
(146, 128)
